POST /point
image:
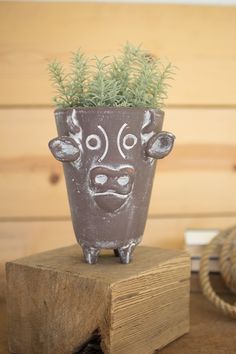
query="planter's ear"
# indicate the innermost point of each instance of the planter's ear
(160, 145)
(64, 149)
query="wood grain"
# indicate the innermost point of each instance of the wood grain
(184, 192)
(20, 239)
(194, 186)
(205, 323)
(187, 182)
(27, 130)
(136, 308)
(200, 40)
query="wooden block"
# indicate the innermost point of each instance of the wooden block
(56, 302)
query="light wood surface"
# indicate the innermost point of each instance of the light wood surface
(187, 181)
(194, 186)
(24, 238)
(200, 40)
(56, 301)
(205, 325)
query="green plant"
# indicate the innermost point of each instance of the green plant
(132, 79)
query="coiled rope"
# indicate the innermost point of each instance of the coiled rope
(227, 240)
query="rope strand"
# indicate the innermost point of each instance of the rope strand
(227, 240)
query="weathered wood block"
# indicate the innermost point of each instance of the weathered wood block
(56, 301)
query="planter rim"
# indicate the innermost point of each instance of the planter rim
(108, 108)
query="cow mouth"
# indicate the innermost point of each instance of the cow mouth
(110, 200)
(109, 193)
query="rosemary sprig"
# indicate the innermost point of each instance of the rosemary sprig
(132, 79)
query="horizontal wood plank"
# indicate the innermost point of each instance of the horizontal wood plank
(27, 130)
(22, 238)
(19, 239)
(200, 40)
(43, 194)
(197, 178)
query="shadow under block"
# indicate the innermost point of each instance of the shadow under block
(56, 301)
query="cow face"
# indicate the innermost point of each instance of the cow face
(111, 153)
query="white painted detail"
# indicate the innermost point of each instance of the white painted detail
(73, 118)
(78, 135)
(76, 164)
(123, 180)
(89, 257)
(157, 146)
(107, 142)
(101, 179)
(117, 167)
(65, 149)
(112, 193)
(147, 121)
(118, 139)
(146, 137)
(98, 142)
(129, 136)
(77, 138)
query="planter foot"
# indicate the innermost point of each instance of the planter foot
(126, 252)
(91, 254)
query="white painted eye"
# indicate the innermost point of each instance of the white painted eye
(101, 179)
(93, 142)
(129, 141)
(123, 180)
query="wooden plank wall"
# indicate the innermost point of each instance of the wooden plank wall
(194, 187)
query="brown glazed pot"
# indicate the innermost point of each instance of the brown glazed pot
(109, 158)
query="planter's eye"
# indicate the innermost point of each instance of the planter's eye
(129, 141)
(93, 142)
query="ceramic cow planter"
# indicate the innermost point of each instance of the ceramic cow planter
(109, 158)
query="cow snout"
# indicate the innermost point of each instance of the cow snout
(106, 180)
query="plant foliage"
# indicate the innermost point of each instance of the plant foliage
(132, 79)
